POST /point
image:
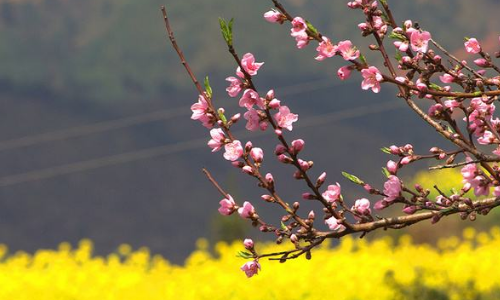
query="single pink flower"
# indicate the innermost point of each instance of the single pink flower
(344, 72)
(251, 98)
(285, 118)
(253, 118)
(420, 41)
(372, 78)
(472, 46)
(401, 46)
(347, 50)
(200, 112)
(251, 268)
(234, 150)
(234, 87)
(217, 140)
(249, 65)
(392, 188)
(334, 224)
(227, 206)
(299, 27)
(332, 193)
(362, 206)
(247, 210)
(326, 49)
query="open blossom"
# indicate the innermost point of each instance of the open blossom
(234, 87)
(217, 140)
(200, 112)
(249, 65)
(362, 206)
(334, 224)
(332, 193)
(372, 78)
(251, 268)
(253, 118)
(285, 118)
(325, 49)
(420, 41)
(234, 150)
(250, 98)
(472, 46)
(247, 210)
(392, 188)
(299, 32)
(227, 206)
(347, 50)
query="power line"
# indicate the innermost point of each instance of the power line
(120, 123)
(185, 146)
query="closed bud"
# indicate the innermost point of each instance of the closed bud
(395, 150)
(280, 149)
(267, 198)
(248, 243)
(472, 216)
(297, 146)
(297, 175)
(435, 219)
(257, 154)
(270, 95)
(435, 150)
(248, 170)
(296, 205)
(308, 196)
(392, 167)
(248, 146)
(237, 164)
(311, 215)
(269, 178)
(304, 165)
(235, 118)
(284, 159)
(274, 104)
(278, 132)
(321, 179)
(293, 238)
(410, 210)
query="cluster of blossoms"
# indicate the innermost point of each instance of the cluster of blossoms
(417, 72)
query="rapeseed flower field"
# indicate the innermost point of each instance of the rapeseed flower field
(458, 268)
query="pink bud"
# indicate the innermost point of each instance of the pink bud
(284, 159)
(238, 164)
(274, 104)
(379, 205)
(481, 62)
(297, 175)
(368, 188)
(410, 210)
(248, 146)
(392, 167)
(248, 243)
(308, 196)
(293, 238)
(280, 149)
(270, 95)
(267, 198)
(321, 179)
(304, 165)
(297, 146)
(311, 215)
(278, 132)
(247, 210)
(269, 178)
(248, 170)
(272, 16)
(395, 150)
(406, 160)
(257, 154)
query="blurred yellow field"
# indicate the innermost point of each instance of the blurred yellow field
(459, 268)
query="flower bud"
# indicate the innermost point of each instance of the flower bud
(280, 149)
(293, 238)
(392, 167)
(321, 179)
(257, 154)
(248, 243)
(278, 132)
(285, 159)
(248, 170)
(297, 146)
(410, 210)
(248, 146)
(308, 196)
(269, 178)
(267, 198)
(235, 118)
(395, 150)
(274, 104)
(237, 164)
(311, 215)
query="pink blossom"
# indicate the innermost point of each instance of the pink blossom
(257, 154)
(234, 87)
(285, 118)
(249, 65)
(250, 98)
(372, 79)
(200, 112)
(248, 244)
(274, 104)
(472, 46)
(227, 206)
(325, 49)
(234, 150)
(362, 206)
(392, 188)
(392, 167)
(481, 62)
(299, 32)
(273, 16)
(247, 210)
(253, 118)
(401, 46)
(420, 41)
(379, 205)
(251, 268)
(217, 140)
(451, 104)
(332, 193)
(446, 78)
(347, 50)
(334, 224)
(435, 111)
(496, 191)
(344, 72)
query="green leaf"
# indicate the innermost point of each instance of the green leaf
(397, 36)
(384, 2)
(478, 93)
(386, 150)
(353, 178)
(222, 117)
(244, 255)
(311, 28)
(208, 88)
(363, 59)
(435, 87)
(386, 172)
(283, 226)
(398, 56)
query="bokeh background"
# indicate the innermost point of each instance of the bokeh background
(95, 136)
